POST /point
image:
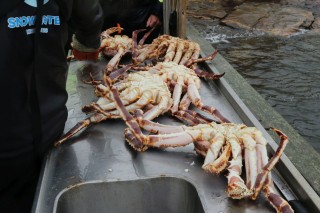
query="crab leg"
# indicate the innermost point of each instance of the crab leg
(135, 46)
(144, 100)
(132, 96)
(115, 74)
(193, 61)
(262, 177)
(188, 53)
(96, 118)
(213, 163)
(275, 199)
(111, 31)
(106, 34)
(119, 86)
(201, 147)
(187, 118)
(250, 159)
(201, 118)
(184, 105)
(141, 42)
(158, 109)
(125, 115)
(196, 54)
(177, 94)
(185, 102)
(236, 188)
(156, 127)
(196, 100)
(133, 141)
(171, 51)
(113, 63)
(207, 75)
(180, 48)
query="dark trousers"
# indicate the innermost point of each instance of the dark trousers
(18, 182)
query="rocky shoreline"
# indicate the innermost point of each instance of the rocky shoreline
(279, 18)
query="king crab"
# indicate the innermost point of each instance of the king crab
(222, 145)
(139, 90)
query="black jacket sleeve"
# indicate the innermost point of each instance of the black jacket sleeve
(87, 18)
(6, 6)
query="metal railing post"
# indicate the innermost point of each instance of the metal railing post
(169, 8)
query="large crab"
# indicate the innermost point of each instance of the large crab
(139, 90)
(184, 81)
(115, 46)
(222, 145)
(170, 48)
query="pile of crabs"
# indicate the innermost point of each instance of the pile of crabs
(170, 85)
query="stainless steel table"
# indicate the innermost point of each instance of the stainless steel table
(96, 171)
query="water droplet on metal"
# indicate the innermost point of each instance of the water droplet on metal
(186, 170)
(110, 170)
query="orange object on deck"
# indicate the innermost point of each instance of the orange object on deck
(119, 26)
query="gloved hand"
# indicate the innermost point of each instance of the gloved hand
(82, 52)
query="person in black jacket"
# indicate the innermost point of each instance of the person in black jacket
(133, 15)
(33, 71)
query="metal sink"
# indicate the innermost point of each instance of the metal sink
(164, 194)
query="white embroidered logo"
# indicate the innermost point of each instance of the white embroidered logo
(33, 3)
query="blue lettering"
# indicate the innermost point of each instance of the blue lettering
(44, 30)
(56, 20)
(11, 22)
(15, 22)
(44, 20)
(50, 20)
(30, 31)
(19, 22)
(31, 20)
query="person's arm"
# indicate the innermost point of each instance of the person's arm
(156, 14)
(88, 19)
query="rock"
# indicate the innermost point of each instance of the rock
(316, 25)
(271, 18)
(312, 5)
(231, 3)
(210, 13)
(206, 10)
(246, 16)
(299, 3)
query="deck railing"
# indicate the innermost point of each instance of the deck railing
(174, 17)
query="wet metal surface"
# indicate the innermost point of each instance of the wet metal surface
(92, 164)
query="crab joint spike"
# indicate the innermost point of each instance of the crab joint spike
(262, 177)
